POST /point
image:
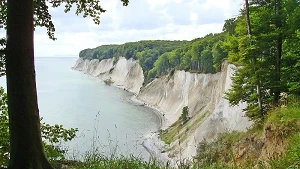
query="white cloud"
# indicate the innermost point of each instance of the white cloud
(141, 20)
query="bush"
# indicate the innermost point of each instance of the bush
(185, 114)
(108, 81)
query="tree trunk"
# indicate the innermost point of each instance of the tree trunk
(278, 53)
(24, 122)
(254, 60)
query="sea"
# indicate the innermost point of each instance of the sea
(108, 121)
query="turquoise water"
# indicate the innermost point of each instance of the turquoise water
(105, 115)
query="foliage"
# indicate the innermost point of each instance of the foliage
(99, 161)
(224, 150)
(292, 157)
(287, 121)
(146, 51)
(158, 57)
(269, 56)
(219, 151)
(172, 132)
(108, 81)
(100, 52)
(4, 132)
(185, 114)
(52, 136)
(200, 55)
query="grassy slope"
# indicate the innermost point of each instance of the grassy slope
(272, 144)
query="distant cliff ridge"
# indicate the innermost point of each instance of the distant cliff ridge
(209, 112)
(126, 74)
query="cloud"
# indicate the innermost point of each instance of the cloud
(141, 20)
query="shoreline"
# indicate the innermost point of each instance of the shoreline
(158, 112)
(152, 144)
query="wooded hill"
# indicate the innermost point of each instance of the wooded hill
(158, 57)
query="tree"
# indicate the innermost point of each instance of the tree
(254, 59)
(185, 114)
(218, 55)
(24, 122)
(266, 51)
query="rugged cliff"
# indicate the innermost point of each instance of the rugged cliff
(209, 112)
(126, 74)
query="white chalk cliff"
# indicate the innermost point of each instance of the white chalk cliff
(126, 74)
(203, 93)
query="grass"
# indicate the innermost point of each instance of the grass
(98, 161)
(178, 130)
(170, 134)
(291, 159)
(175, 130)
(285, 123)
(191, 127)
(287, 117)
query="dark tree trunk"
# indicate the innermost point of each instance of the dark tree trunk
(254, 59)
(24, 122)
(279, 52)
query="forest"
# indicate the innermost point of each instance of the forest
(158, 57)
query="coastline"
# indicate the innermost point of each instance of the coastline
(152, 144)
(164, 122)
(166, 97)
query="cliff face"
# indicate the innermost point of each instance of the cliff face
(171, 94)
(126, 74)
(209, 112)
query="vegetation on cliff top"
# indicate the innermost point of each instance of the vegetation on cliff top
(158, 57)
(146, 51)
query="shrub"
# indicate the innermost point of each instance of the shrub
(185, 114)
(108, 81)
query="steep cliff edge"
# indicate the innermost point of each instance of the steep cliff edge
(209, 113)
(126, 74)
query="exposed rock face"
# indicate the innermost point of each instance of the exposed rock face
(126, 74)
(203, 93)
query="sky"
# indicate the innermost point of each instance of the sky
(140, 20)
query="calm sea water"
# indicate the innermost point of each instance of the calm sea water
(105, 115)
